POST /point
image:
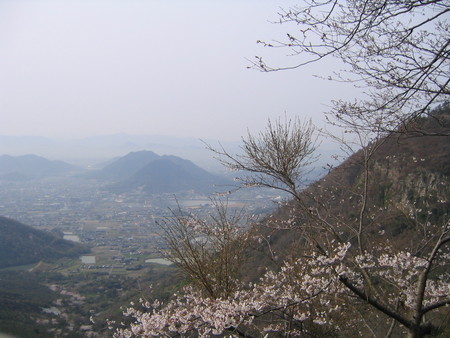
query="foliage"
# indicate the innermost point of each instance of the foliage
(21, 244)
(21, 298)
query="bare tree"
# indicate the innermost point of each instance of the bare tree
(209, 249)
(279, 157)
(396, 51)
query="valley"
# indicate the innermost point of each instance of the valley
(125, 254)
(123, 224)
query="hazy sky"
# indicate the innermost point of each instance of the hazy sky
(169, 67)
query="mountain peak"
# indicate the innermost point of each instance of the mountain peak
(152, 173)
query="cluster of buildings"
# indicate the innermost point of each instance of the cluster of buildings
(122, 227)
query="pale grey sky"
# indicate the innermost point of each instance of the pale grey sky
(77, 68)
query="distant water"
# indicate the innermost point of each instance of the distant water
(71, 237)
(88, 259)
(161, 261)
(194, 203)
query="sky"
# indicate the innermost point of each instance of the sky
(74, 69)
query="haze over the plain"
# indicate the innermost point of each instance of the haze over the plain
(72, 69)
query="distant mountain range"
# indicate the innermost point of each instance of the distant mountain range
(31, 166)
(92, 150)
(124, 167)
(89, 152)
(142, 170)
(153, 173)
(21, 244)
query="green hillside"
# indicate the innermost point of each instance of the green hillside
(21, 244)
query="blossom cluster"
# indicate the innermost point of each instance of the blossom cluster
(400, 271)
(294, 289)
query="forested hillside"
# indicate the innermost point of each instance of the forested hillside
(21, 244)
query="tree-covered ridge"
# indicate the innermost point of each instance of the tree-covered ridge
(21, 244)
(22, 298)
